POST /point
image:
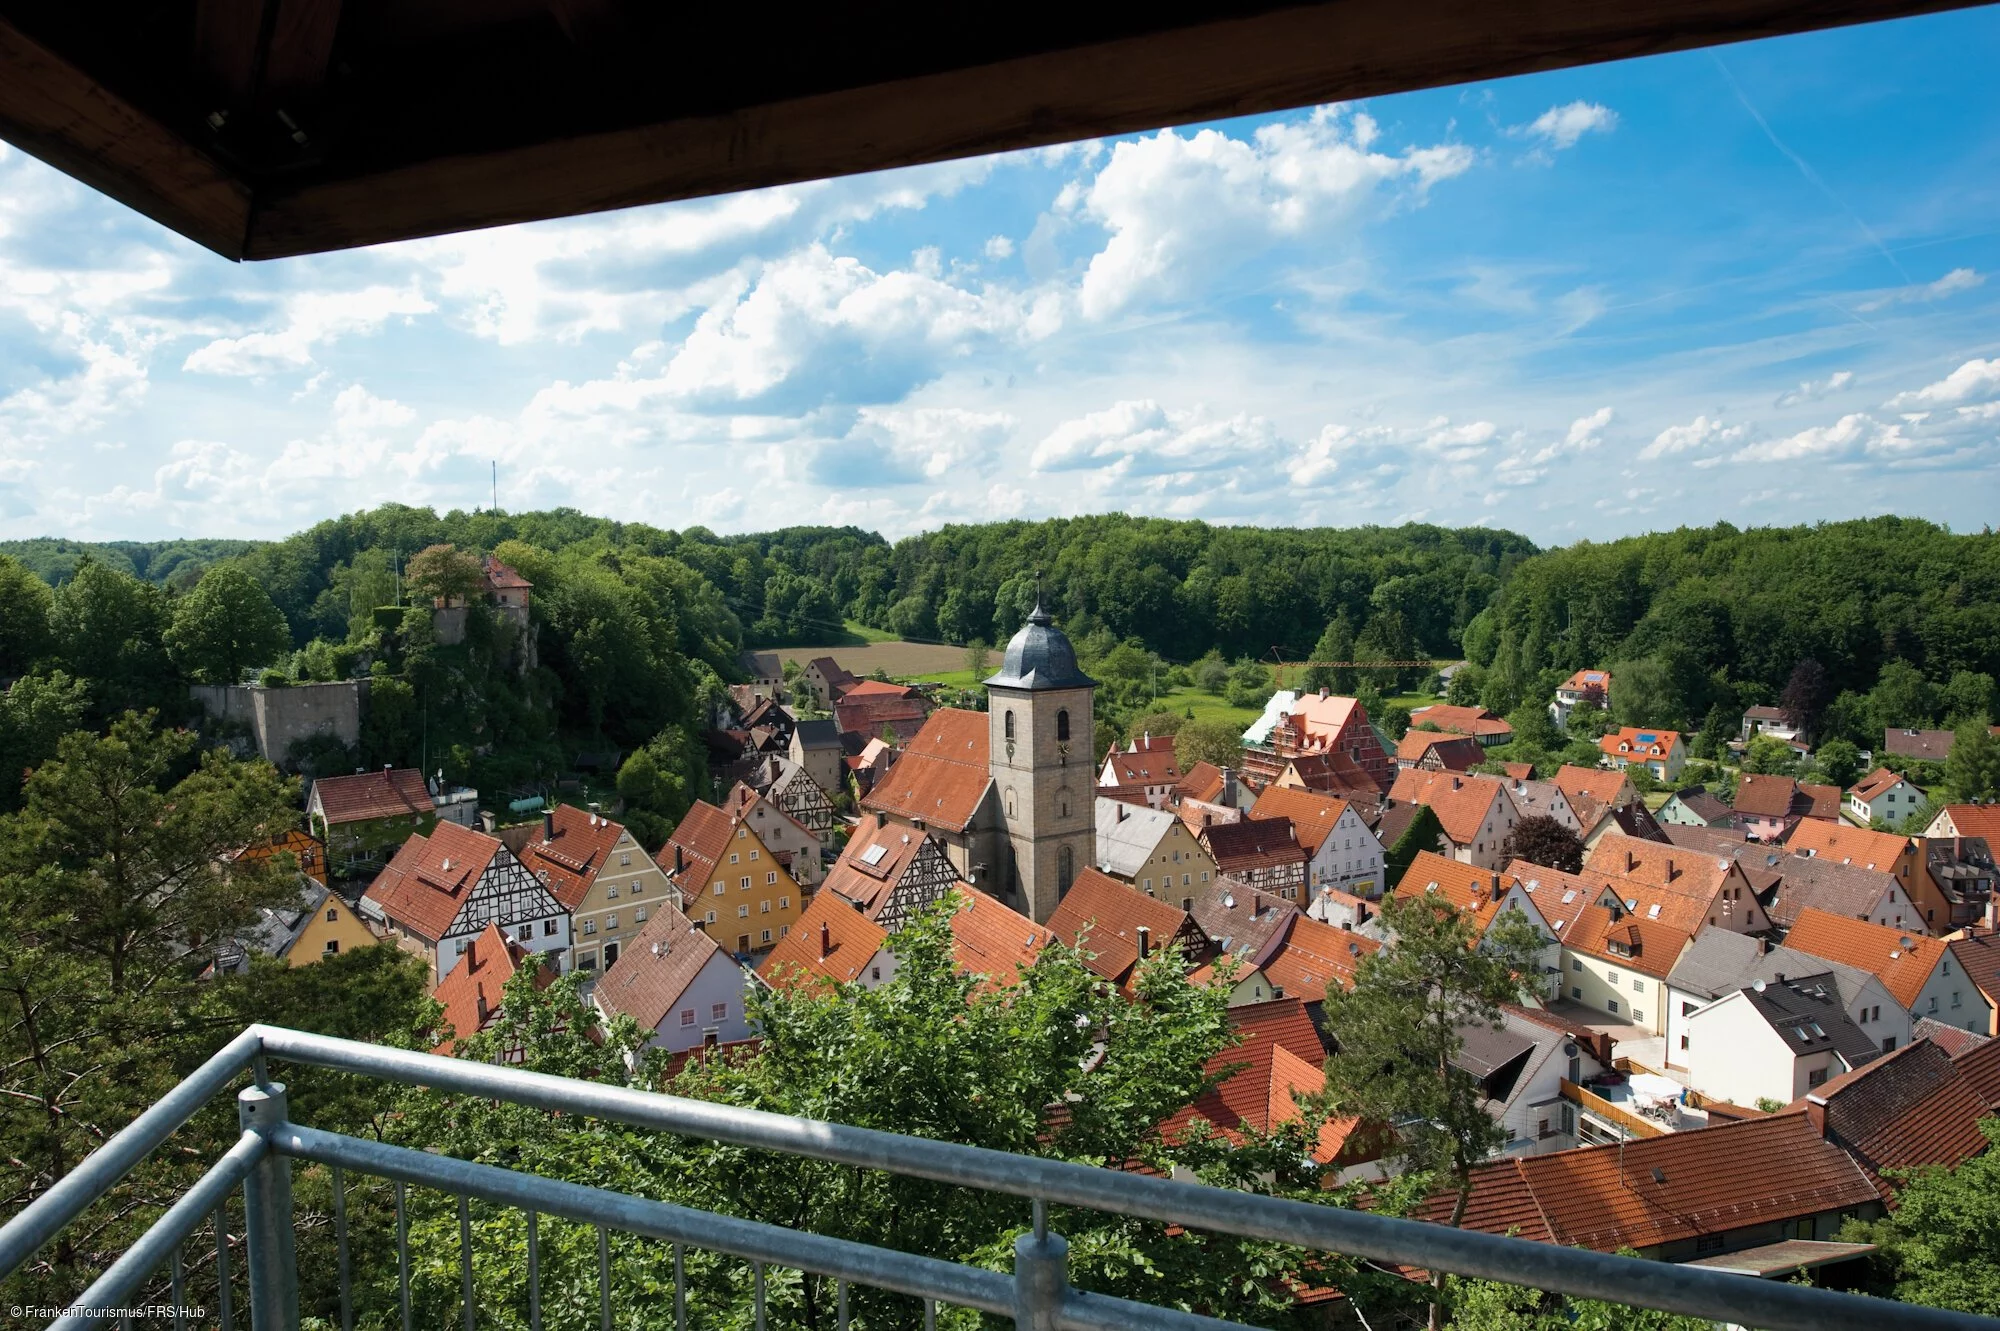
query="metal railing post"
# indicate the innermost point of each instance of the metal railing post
(1041, 1276)
(269, 1250)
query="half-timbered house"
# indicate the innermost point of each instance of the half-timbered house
(791, 788)
(891, 871)
(440, 891)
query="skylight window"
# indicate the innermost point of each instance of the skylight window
(873, 855)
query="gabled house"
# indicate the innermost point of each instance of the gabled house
(792, 789)
(1342, 854)
(1731, 1189)
(1764, 719)
(1487, 728)
(1853, 890)
(1773, 1040)
(1767, 807)
(440, 892)
(766, 672)
(1543, 799)
(308, 854)
(1595, 785)
(1586, 688)
(730, 880)
(1916, 1107)
(1919, 973)
(679, 984)
(890, 872)
(1978, 956)
(834, 944)
(827, 680)
(1695, 807)
(1262, 853)
(1475, 811)
(1719, 962)
(317, 925)
(1883, 796)
(1438, 751)
(1521, 1067)
(471, 994)
(1152, 850)
(1888, 852)
(1931, 746)
(874, 709)
(1658, 751)
(1967, 820)
(1309, 957)
(790, 842)
(1485, 896)
(942, 784)
(1955, 883)
(1116, 926)
(1146, 768)
(1242, 922)
(361, 818)
(1315, 725)
(815, 746)
(991, 941)
(1614, 960)
(602, 876)
(1638, 870)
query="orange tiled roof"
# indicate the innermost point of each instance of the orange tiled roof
(874, 860)
(1202, 781)
(1599, 787)
(471, 994)
(1651, 945)
(428, 881)
(1852, 845)
(1661, 865)
(1460, 751)
(991, 941)
(499, 576)
(701, 838)
(1316, 956)
(570, 862)
(832, 942)
(1313, 814)
(1103, 916)
(1460, 800)
(1151, 765)
(1874, 784)
(1588, 681)
(1819, 801)
(1275, 1066)
(1477, 892)
(390, 793)
(1902, 961)
(1461, 720)
(1981, 820)
(1730, 1177)
(1639, 742)
(1252, 844)
(942, 775)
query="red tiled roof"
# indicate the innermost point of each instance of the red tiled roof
(1639, 742)
(1461, 720)
(1457, 752)
(1652, 945)
(1980, 820)
(1876, 783)
(1151, 764)
(1252, 844)
(1660, 864)
(1764, 796)
(831, 942)
(1979, 957)
(470, 995)
(1313, 814)
(1461, 801)
(991, 941)
(701, 838)
(499, 576)
(880, 688)
(1853, 845)
(1907, 1108)
(1930, 745)
(1902, 961)
(1276, 1065)
(1980, 1066)
(942, 775)
(1949, 1038)
(645, 983)
(571, 861)
(392, 793)
(867, 878)
(1588, 681)
(1730, 1177)
(1103, 916)
(869, 713)
(1315, 956)
(426, 884)
(1819, 801)
(1202, 781)
(1473, 891)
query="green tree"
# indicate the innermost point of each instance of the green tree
(106, 628)
(1540, 839)
(1401, 1028)
(228, 624)
(1249, 684)
(1157, 724)
(659, 782)
(1215, 742)
(978, 658)
(1335, 644)
(35, 713)
(1969, 696)
(1972, 768)
(1211, 673)
(1838, 762)
(1770, 756)
(25, 602)
(1936, 1248)
(1466, 683)
(1902, 699)
(1420, 834)
(442, 572)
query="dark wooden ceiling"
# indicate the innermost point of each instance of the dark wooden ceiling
(265, 128)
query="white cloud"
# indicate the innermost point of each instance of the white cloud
(310, 318)
(1562, 126)
(1698, 436)
(1953, 282)
(1850, 433)
(999, 247)
(1145, 438)
(1975, 378)
(1812, 390)
(1177, 208)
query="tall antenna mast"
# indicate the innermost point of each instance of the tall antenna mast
(496, 485)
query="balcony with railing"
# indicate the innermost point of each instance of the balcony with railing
(1037, 1294)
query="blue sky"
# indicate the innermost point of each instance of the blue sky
(1753, 284)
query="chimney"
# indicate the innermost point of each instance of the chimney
(481, 1000)
(548, 824)
(1631, 862)
(881, 818)
(1229, 787)
(1672, 873)
(1456, 783)
(1121, 811)
(680, 859)
(1325, 692)
(1145, 942)
(825, 941)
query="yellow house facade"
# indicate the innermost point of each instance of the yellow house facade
(731, 882)
(332, 928)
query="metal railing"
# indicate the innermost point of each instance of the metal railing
(1038, 1295)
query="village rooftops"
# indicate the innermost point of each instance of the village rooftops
(1474, 721)
(1601, 787)
(1312, 814)
(1909, 1108)
(427, 881)
(941, 776)
(471, 994)
(389, 793)
(1472, 891)
(1849, 845)
(1128, 834)
(1807, 1013)
(1721, 961)
(571, 851)
(1461, 801)
(656, 969)
(832, 942)
(1119, 925)
(1253, 844)
(1902, 961)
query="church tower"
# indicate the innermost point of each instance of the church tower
(1041, 733)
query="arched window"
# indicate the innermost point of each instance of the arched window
(1062, 724)
(1065, 869)
(1010, 725)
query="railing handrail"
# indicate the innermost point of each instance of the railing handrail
(1718, 1295)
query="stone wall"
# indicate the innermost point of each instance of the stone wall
(278, 718)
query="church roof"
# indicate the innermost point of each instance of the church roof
(1040, 657)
